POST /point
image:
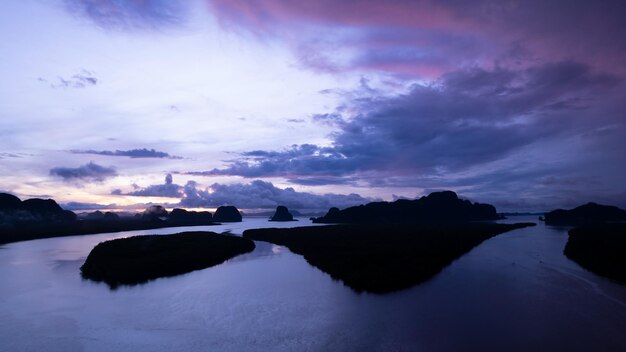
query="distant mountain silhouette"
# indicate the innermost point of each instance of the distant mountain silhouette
(282, 214)
(227, 213)
(9, 202)
(437, 207)
(155, 213)
(43, 218)
(585, 214)
(178, 215)
(14, 212)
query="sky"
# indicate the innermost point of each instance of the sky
(115, 104)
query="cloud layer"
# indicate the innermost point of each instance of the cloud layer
(167, 189)
(465, 119)
(87, 172)
(264, 195)
(132, 153)
(129, 14)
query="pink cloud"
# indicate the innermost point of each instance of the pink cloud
(426, 38)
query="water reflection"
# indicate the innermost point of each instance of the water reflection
(514, 292)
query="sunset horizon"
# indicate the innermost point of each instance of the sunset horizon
(122, 104)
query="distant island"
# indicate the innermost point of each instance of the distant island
(134, 260)
(585, 214)
(43, 218)
(437, 207)
(227, 213)
(382, 258)
(383, 247)
(282, 214)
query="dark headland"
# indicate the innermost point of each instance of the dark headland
(382, 258)
(386, 247)
(43, 218)
(134, 260)
(598, 243)
(600, 248)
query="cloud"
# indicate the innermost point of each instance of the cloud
(428, 38)
(82, 79)
(130, 14)
(4, 155)
(132, 153)
(264, 195)
(87, 172)
(464, 119)
(87, 206)
(167, 189)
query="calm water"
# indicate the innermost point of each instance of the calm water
(515, 292)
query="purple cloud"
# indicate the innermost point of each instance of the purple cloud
(132, 153)
(466, 118)
(429, 38)
(264, 195)
(87, 172)
(130, 14)
(167, 189)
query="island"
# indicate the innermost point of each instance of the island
(599, 248)
(437, 207)
(585, 214)
(43, 218)
(227, 213)
(138, 259)
(282, 214)
(382, 258)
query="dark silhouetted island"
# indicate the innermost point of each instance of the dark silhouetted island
(227, 213)
(43, 218)
(182, 216)
(382, 258)
(282, 214)
(437, 207)
(585, 214)
(134, 260)
(600, 248)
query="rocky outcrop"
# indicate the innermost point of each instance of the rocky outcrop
(282, 214)
(437, 207)
(178, 215)
(589, 213)
(227, 213)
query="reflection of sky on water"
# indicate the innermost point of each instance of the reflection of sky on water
(514, 292)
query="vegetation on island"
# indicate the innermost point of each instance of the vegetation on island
(134, 260)
(382, 258)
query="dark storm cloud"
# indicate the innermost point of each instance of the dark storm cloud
(87, 172)
(167, 189)
(130, 14)
(261, 194)
(466, 118)
(132, 153)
